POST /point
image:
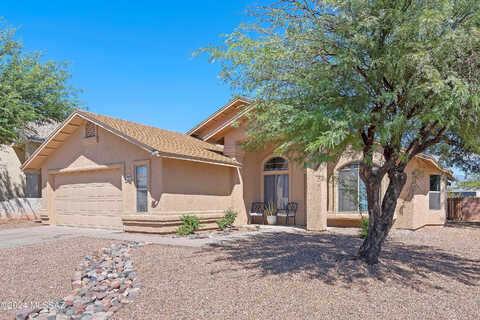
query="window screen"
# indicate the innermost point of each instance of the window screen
(352, 192)
(348, 188)
(276, 190)
(32, 185)
(141, 182)
(435, 182)
(434, 196)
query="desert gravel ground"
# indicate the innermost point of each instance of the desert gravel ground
(17, 223)
(39, 274)
(427, 274)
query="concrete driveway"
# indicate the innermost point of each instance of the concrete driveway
(18, 237)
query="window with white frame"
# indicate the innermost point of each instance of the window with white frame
(141, 182)
(275, 182)
(352, 193)
(32, 185)
(434, 194)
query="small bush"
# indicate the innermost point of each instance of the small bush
(190, 225)
(227, 220)
(364, 231)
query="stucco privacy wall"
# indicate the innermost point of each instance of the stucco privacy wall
(175, 186)
(417, 193)
(17, 208)
(12, 179)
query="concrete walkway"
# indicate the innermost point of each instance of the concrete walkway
(11, 238)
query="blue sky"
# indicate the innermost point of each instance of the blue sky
(133, 58)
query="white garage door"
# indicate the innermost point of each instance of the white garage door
(89, 199)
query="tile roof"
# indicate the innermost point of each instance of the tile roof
(38, 132)
(167, 143)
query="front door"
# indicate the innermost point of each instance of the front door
(276, 190)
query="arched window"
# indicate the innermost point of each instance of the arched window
(352, 193)
(276, 164)
(275, 182)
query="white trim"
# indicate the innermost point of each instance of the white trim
(216, 113)
(336, 186)
(197, 160)
(435, 163)
(288, 172)
(226, 124)
(113, 166)
(117, 133)
(47, 140)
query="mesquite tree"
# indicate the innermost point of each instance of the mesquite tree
(31, 90)
(395, 77)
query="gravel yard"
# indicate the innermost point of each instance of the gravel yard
(39, 274)
(427, 274)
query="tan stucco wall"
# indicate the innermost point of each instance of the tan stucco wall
(175, 186)
(12, 179)
(412, 210)
(191, 186)
(179, 187)
(252, 176)
(416, 194)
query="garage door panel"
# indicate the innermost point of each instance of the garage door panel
(90, 221)
(89, 199)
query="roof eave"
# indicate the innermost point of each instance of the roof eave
(121, 135)
(218, 112)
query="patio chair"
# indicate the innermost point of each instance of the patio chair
(289, 212)
(258, 210)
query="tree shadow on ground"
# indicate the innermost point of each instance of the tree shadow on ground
(329, 258)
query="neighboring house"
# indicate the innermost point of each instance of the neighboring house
(18, 191)
(98, 171)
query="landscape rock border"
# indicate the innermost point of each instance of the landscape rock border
(101, 284)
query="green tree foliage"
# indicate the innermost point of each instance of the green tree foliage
(30, 90)
(397, 77)
(472, 183)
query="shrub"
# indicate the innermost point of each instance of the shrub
(227, 220)
(190, 225)
(364, 231)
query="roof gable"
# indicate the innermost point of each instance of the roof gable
(220, 119)
(159, 142)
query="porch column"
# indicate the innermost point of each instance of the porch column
(316, 199)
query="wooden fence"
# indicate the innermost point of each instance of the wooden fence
(463, 209)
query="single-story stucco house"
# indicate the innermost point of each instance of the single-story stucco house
(98, 171)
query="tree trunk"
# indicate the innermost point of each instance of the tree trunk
(380, 216)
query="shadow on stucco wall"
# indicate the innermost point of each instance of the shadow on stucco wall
(12, 203)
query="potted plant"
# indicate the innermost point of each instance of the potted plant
(271, 213)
